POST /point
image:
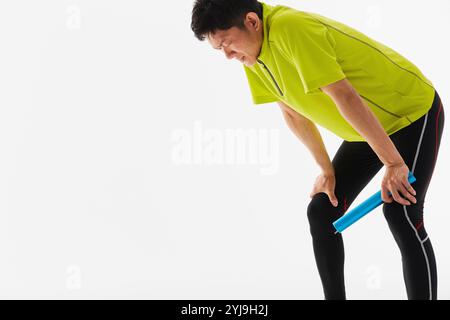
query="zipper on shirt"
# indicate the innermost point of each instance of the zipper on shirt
(270, 73)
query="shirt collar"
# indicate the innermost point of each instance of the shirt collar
(267, 9)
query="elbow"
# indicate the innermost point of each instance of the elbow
(346, 97)
(342, 92)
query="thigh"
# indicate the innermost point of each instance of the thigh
(355, 164)
(419, 144)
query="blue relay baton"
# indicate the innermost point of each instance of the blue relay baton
(364, 208)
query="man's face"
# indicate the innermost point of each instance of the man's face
(243, 45)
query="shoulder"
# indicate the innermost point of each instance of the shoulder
(291, 21)
(296, 28)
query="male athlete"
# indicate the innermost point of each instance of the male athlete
(386, 111)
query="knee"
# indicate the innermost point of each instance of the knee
(392, 210)
(321, 215)
(395, 212)
(402, 219)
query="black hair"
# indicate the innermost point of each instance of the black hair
(208, 16)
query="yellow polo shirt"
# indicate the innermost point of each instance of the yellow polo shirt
(302, 52)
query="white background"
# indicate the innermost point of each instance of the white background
(93, 203)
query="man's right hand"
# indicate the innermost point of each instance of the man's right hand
(326, 183)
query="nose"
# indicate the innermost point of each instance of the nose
(229, 54)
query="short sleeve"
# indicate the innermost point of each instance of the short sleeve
(311, 47)
(260, 94)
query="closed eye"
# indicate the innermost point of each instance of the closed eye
(220, 47)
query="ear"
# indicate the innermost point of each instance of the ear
(252, 20)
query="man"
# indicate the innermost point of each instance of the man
(387, 112)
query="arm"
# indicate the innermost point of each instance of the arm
(309, 135)
(361, 117)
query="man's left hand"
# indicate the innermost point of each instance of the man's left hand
(396, 182)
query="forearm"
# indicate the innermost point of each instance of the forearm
(364, 121)
(307, 132)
